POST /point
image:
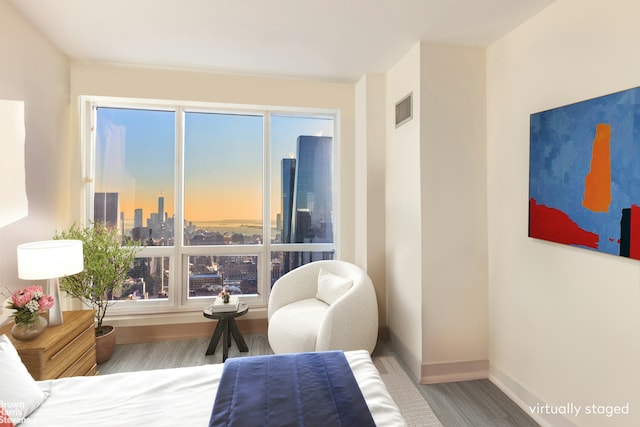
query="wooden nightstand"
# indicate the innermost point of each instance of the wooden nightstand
(61, 351)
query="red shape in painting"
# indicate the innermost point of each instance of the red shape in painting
(556, 226)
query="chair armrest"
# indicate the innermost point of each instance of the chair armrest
(296, 285)
(351, 323)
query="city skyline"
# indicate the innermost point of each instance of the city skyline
(219, 173)
(305, 215)
(136, 156)
(316, 173)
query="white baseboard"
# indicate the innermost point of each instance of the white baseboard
(527, 400)
(405, 355)
(433, 373)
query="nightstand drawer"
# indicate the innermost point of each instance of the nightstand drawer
(61, 360)
(84, 365)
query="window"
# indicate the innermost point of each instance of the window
(213, 196)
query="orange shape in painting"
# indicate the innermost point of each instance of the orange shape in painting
(597, 184)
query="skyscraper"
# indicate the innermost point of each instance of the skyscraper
(105, 209)
(288, 187)
(137, 218)
(307, 199)
(313, 195)
(161, 208)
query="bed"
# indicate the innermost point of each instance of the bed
(166, 397)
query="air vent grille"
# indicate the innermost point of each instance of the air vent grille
(404, 110)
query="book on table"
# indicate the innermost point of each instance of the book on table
(220, 306)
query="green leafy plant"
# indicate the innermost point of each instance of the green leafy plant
(107, 262)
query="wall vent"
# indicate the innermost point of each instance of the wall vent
(404, 110)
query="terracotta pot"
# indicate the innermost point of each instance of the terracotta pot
(105, 344)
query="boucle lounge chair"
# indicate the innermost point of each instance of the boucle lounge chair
(323, 305)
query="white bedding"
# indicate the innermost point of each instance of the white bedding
(172, 397)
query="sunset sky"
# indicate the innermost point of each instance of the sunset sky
(135, 156)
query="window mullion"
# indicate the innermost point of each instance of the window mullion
(178, 269)
(89, 134)
(265, 271)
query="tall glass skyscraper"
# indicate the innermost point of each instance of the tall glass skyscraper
(288, 186)
(137, 218)
(105, 209)
(307, 199)
(161, 208)
(313, 199)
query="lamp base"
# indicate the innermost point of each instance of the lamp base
(55, 312)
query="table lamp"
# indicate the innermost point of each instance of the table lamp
(50, 259)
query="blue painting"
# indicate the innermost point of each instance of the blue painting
(584, 175)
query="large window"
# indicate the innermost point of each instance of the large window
(214, 197)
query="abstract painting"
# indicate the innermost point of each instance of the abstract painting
(584, 174)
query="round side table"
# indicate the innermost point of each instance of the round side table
(226, 328)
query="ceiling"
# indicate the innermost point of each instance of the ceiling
(330, 39)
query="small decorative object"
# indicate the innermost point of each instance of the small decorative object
(225, 295)
(29, 303)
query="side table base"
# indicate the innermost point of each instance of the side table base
(226, 328)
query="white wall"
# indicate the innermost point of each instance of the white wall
(403, 214)
(564, 321)
(437, 281)
(35, 72)
(369, 184)
(455, 317)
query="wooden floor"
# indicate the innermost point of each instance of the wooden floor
(474, 403)
(173, 354)
(466, 403)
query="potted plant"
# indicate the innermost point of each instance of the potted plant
(107, 262)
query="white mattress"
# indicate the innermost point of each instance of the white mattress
(171, 397)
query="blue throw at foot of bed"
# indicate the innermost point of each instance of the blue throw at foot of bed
(304, 389)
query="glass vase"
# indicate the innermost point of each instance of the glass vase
(28, 331)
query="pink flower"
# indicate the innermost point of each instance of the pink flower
(20, 298)
(45, 302)
(27, 303)
(33, 289)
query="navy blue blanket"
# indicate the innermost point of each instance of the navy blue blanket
(305, 389)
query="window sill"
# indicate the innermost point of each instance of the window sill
(150, 319)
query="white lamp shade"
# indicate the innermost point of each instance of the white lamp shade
(49, 259)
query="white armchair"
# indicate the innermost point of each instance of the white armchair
(323, 305)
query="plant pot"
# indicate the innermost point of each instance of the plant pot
(105, 343)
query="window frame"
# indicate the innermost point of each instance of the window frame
(178, 254)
